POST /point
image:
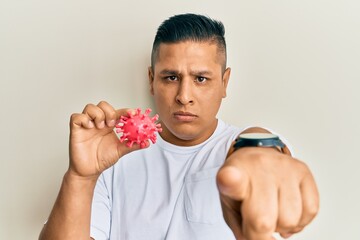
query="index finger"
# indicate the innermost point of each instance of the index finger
(112, 115)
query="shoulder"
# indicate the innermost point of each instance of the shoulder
(227, 131)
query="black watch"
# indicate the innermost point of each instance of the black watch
(258, 140)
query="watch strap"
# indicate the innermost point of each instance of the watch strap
(265, 142)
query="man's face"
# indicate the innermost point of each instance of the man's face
(188, 83)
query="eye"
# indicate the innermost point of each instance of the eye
(201, 79)
(171, 78)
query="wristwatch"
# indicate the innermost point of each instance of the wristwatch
(259, 140)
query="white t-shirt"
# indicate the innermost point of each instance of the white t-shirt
(164, 192)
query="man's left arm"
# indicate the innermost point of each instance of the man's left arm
(266, 190)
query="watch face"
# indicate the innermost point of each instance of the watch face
(258, 136)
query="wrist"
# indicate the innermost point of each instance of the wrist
(82, 182)
(260, 140)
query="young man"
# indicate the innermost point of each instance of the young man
(170, 189)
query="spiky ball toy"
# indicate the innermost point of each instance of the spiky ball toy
(138, 128)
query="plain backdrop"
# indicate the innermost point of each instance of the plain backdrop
(295, 69)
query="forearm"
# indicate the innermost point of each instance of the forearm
(70, 217)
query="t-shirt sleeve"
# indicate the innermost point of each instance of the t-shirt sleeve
(101, 210)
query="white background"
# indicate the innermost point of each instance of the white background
(295, 69)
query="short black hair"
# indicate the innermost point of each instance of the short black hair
(189, 27)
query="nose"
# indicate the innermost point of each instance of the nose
(184, 95)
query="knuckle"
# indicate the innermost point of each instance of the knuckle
(312, 209)
(74, 117)
(288, 223)
(302, 169)
(107, 109)
(103, 103)
(302, 166)
(263, 224)
(89, 105)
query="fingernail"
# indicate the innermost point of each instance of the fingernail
(111, 123)
(132, 112)
(102, 124)
(91, 124)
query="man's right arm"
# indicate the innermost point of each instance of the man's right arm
(93, 147)
(70, 216)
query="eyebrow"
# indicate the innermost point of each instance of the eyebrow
(201, 73)
(193, 73)
(169, 72)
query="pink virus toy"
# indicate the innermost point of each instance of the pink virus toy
(138, 128)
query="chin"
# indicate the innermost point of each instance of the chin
(185, 137)
(184, 132)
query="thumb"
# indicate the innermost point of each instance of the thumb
(124, 112)
(125, 148)
(233, 182)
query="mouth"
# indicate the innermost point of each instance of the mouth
(185, 116)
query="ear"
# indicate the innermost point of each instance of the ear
(225, 80)
(151, 80)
